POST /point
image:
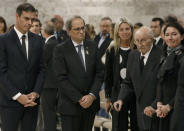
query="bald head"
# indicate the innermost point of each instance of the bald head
(58, 22)
(144, 39)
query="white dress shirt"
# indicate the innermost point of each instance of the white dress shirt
(20, 38)
(19, 34)
(146, 55)
(82, 50)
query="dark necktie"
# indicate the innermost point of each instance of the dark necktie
(142, 63)
(80, 54)
(24, 45)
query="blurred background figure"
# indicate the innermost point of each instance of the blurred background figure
(36, 27)
(90, 32)
(60, 34)
(3, 26)
(156, 26)
(137, 26)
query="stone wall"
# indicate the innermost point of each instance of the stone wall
(93, 10)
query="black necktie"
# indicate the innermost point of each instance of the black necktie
(141, 63)
(24, 45)
(80, 54)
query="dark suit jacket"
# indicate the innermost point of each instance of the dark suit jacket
(50, 80)
(62, 36)
(17, 73)
(144, 85)
(104, 45)
(178, 117)
(161, 44)
(74, 81)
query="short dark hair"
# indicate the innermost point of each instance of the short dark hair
(170, 19)
(37, 20)
(27, 7)
(69, 21)
(176, 25)
(161, 21)
(2, 20)
(106, 18)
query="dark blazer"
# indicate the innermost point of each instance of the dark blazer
(144, 85)
(168, 82)
(104, 45)
(50, 80)
(178, 117)
(161, 44)
(17, 73)
(112, 73)
(62, 36)
(74, 81)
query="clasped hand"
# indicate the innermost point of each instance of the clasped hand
(28, 100)
(86, 101)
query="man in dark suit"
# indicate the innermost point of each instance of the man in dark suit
(49, 93)
(156, 26)
(80, 76)
(21, 73)
(103, 38)
(60, 34)
(141, 74)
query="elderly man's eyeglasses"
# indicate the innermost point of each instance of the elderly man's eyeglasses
(79, 28)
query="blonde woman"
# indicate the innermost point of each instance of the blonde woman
(115, 73)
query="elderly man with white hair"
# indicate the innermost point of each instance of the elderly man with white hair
(142, 67)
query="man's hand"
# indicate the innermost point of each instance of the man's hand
(23, 99)
(32, 96)
(108, 106)
(31, 104)
(86, 101)
(149, 111)
(118, 105)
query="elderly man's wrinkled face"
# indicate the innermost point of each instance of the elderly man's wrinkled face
(143, 41)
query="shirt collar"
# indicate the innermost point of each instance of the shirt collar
(75, 44)
(20, 34)
(106, 35)
(147, 54)
(157, 39)
(49, 38)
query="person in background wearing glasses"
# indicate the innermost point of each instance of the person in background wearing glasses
(141, 78)
(115, 73)
(79, 76)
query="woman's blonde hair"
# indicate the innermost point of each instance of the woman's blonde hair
(116, 42)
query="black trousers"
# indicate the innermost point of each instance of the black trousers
(120, 119)
(13, 117)
(83, 122)
(48, 104)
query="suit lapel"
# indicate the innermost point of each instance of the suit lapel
(87, 54)
(74, 54)
(30, 46)
(146, 71)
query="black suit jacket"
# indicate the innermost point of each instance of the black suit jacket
(17, 73)
(50, 80)
(161, 44)
(104, 45)
(178, 117)
(144, 85)
(74, 81)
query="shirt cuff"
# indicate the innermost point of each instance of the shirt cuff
(15, 97)
(92, 95)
